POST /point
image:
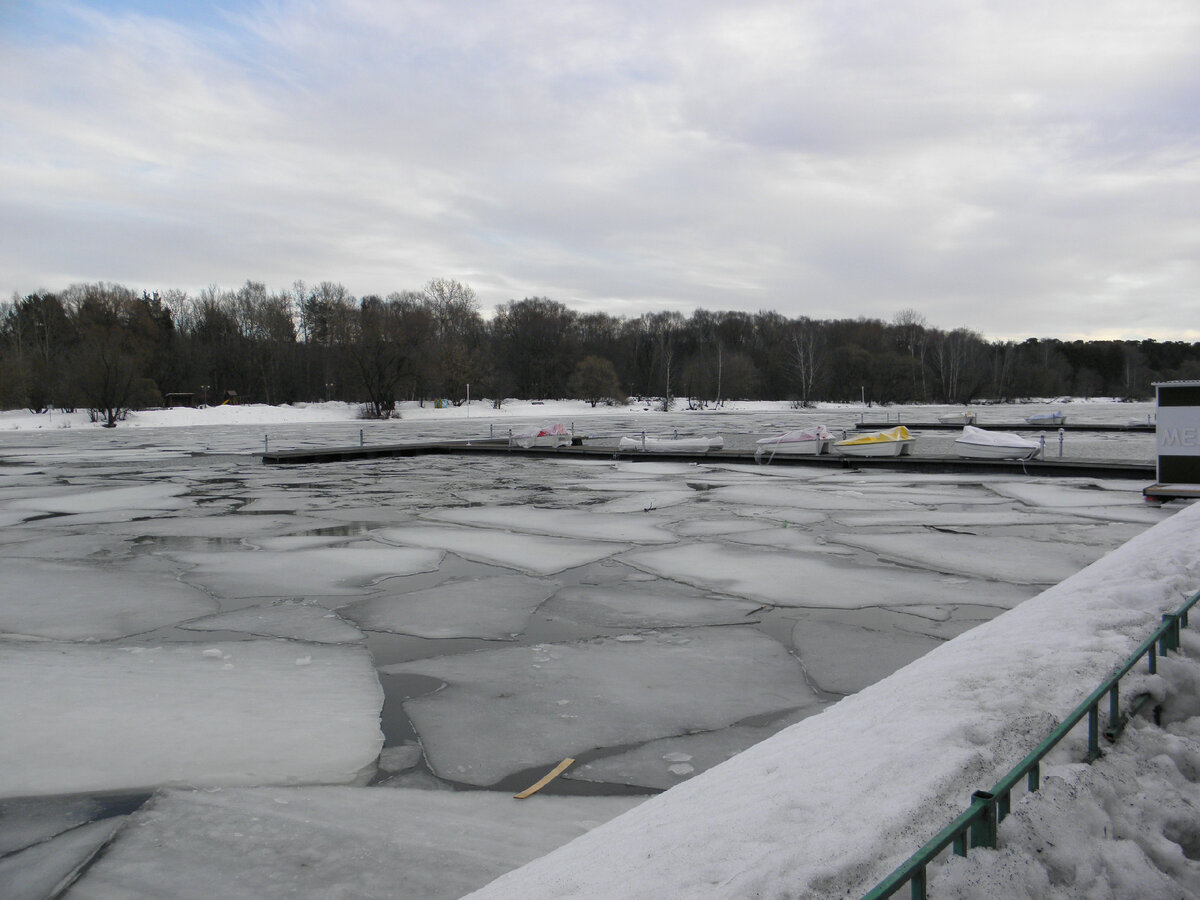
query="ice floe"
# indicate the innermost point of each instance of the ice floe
(295, 619)
(323, 842)
(536, 554)
(43, 869)
(641, 606)
(81, 602)
(503, 711)
(96, 717)
(580, 524)
(316, 572)
(491, 608)
(812, 580)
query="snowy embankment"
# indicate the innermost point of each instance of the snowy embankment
(829, 806)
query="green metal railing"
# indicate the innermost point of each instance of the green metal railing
(977, 826)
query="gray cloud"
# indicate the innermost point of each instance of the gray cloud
(1021, 169)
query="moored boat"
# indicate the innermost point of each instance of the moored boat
(645, 444)
(966, 417)
(975, 443)
(541, 436)
(813, 442)
(893, 442)
(1047, 418)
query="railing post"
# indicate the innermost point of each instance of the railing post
(1034, 779)
(1153, 656)
(983, 829)
(1093, 732)
(917, 884)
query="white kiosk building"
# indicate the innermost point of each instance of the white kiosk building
(1178, 441)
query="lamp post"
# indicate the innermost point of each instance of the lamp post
(204, 389)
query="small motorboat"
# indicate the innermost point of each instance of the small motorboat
(894, 442)
(542, 436)
(966, 417)
(810, 442)
(975, 443)
(1047, 418)
(645, 444)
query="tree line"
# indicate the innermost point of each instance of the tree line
(107, 348)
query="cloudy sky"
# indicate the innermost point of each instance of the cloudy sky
(1018, 167)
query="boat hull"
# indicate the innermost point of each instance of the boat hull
(878, 448)
(815, 447)
(671, 445)
(986, 451)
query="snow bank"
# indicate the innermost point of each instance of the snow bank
(832, 804)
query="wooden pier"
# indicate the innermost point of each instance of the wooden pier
(1139, 428)
(1061, 467)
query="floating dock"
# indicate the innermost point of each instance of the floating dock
(1061, 467)
(1137, 428)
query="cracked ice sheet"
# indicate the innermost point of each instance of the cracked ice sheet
(65, 602)
(220, 524)
(31, 821)
(1010, 559)
(323, 842)
(1068, 495)
(642, 606)
(504, 711)
(294, 619)
(666, 762)
(126, 501)
(536, 554)
(791, 579)
(489, 608)
(804, 497)
(104, 718)
(37, 871)
(318, 572)
(581, 524)
(877, 654)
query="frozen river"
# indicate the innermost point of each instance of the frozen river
(175, 613)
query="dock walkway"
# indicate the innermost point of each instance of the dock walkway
(1097, 468)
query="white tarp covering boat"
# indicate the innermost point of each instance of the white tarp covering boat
(542, 436)
(893, 442)
(672, 445)
(965, 417)
(1047, 418)
(979, 444)
(812, 441)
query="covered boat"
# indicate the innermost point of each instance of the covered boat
(1047, 418)
(645, 444)
(542, 436)
(966, 417)
(894, 442)
(975, 443)
(811, 441)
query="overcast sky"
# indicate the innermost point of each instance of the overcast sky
(1018, 167)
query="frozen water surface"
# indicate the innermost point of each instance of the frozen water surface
(535, 554)
(635, 548)
(95, 717)
(80, 602)
(542, 703)
(294, 619)
(314, 572)
(325, 842)
(27, 822)
(987, 557)
(38, 871)
(489, 608)
(810, 580)
(645, 606)
(584, 525)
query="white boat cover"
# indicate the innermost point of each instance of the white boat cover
(973, 435)
(672, 445)
(794, 437)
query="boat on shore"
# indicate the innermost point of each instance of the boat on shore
(1047, 418)
(807, 442)
(541, 436)
(975, 443)
(893, 442)
(644, 444)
